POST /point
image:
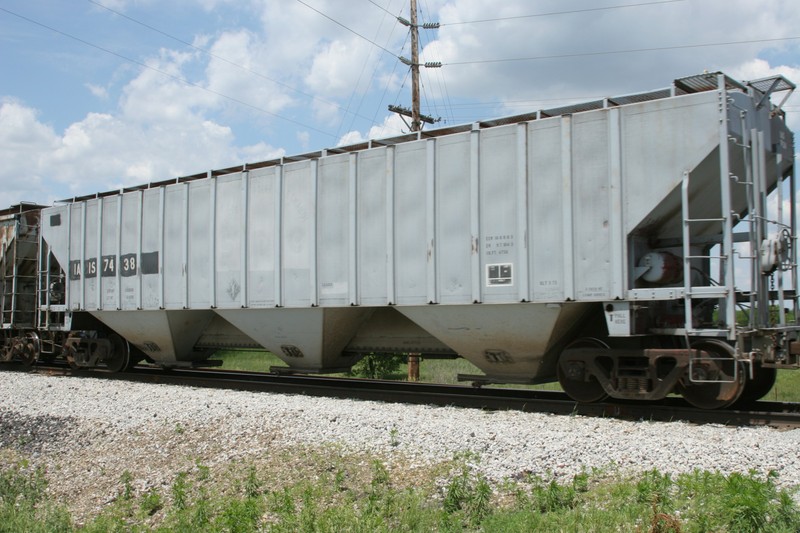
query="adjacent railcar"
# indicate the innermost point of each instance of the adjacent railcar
(607, 245)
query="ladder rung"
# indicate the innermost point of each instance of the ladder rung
(708, 292)
(709, 332)
(706, 219)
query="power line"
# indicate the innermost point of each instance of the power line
(354, 32)
(223, 59)
(627, 51)
(386, 90)
(587, 10)
(164, 73)
(395, 15)
(369, 83)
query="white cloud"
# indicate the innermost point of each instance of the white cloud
(759, 68)
(351, 137)
(24, 143)
(303, 138)
(98, 91)
(159, 94)
(239, 68)
(106, 152)
(332, 62)
(260, 152)
(21, 128)
(463, 46)
(392, 125)
(338, 67)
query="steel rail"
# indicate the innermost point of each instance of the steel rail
(774, 414)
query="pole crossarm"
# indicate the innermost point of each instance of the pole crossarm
(400, 110)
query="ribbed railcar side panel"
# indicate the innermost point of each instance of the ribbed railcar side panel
(499, 192)
(75, 255)
(151, 259)
(173, 274)
(229, 234)
(411, 218)
(371, 215)
(333, 230)
(130, 250)
(545, 210)
(590, 190)
(298, 219)
(109, 253)
(454, 237)
(261, 231)
(89, 249)
(199, 250)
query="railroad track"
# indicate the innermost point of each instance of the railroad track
(776, 414)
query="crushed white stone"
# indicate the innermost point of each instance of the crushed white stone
(83, 429)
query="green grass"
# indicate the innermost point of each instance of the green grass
(341, 494)
(23, 503)
(248, 360)
(787, 387)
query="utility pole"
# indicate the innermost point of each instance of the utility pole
(416, 125)
(417, 118)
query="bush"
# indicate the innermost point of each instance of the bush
(378, 366)
(469, 493)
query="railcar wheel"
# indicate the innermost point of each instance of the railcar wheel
(759, 386)
(722, 379)
(573, 377)
(26, 349)
(69, 355)
(119, 359)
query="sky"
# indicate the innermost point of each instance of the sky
(96, 95)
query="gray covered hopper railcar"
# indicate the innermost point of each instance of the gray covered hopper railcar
(592, 243)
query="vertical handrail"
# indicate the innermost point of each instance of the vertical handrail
(726, 252)
(3, 280)
(14, 272)
(759, 184)
(795, 242)
(779, 181)
(687, 261)
(747, 163)
(43, 248)
(42, 282)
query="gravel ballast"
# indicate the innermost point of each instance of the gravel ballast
(86, 432)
